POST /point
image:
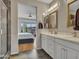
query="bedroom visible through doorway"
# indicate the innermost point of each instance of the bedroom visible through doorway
(27, 27)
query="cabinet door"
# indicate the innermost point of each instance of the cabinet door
(72, 54)
(60, 51)
(77, 55)
(43, 42)
(51, 47)
(57, 51)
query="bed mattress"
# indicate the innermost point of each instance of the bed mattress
(25, 35)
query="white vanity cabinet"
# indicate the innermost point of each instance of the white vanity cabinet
(72, 54)
(48, 44)
(44, 42)
(51, 46)
(63, 52)
(66, 50)
(59, 47)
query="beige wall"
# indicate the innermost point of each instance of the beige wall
(14, 21)
(62, 15)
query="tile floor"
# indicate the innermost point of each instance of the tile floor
(34, 54)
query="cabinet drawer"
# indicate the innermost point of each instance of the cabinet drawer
(68, 44)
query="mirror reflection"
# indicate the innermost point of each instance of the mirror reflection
(73, 20)
(50, 21)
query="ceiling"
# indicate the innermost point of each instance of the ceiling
(74, 6)
(25, 10)
(45, 1)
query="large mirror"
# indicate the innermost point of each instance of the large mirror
(73, 15)
(51, 20)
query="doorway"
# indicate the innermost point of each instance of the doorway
(27, 27)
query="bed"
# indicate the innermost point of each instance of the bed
(25, 38)
(26, 41)
(25, 35)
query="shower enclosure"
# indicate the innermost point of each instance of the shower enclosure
(4, 39)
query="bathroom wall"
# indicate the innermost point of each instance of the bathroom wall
(24, 10)
(62, 15)
(8, 5)
(41, 7)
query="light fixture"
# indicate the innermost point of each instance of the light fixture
(44, 14)
(22, 24)
(56, 5)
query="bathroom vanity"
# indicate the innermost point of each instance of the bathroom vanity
(60, 46)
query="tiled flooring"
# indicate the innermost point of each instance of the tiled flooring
(34, 54)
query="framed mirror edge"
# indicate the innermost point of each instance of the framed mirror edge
(56, 11)
(72, 2)
(68, 11)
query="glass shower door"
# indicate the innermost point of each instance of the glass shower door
(3, 29)
(0, 28)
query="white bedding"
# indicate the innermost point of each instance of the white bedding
(25, 35)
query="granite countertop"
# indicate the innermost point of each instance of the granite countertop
(66, 37)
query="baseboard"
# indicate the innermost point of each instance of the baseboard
(7, 56)
(15, 53)
(38, 48)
